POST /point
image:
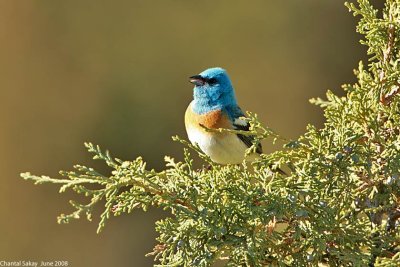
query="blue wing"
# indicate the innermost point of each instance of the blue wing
(235, 114)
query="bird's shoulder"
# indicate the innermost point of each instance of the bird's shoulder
(236, 115)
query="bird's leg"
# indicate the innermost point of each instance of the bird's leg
(205, 168)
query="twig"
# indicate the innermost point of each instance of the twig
(387, 99)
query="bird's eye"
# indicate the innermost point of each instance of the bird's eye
(212, 81)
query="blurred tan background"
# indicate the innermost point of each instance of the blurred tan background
(116, 73)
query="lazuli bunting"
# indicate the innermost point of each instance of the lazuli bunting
(214, 106)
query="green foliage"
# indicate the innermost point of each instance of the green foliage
(338, 206)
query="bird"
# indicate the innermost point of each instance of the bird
(214, 106)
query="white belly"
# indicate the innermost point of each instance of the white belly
(222, 148)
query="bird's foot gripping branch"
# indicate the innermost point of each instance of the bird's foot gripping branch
(339, 205)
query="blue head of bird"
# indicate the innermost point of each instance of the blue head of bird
(213, 90)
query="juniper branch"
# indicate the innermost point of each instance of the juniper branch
(339, 206)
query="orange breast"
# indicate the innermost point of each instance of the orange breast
(213, 120)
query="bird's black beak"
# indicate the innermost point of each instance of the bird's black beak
(197, 80)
